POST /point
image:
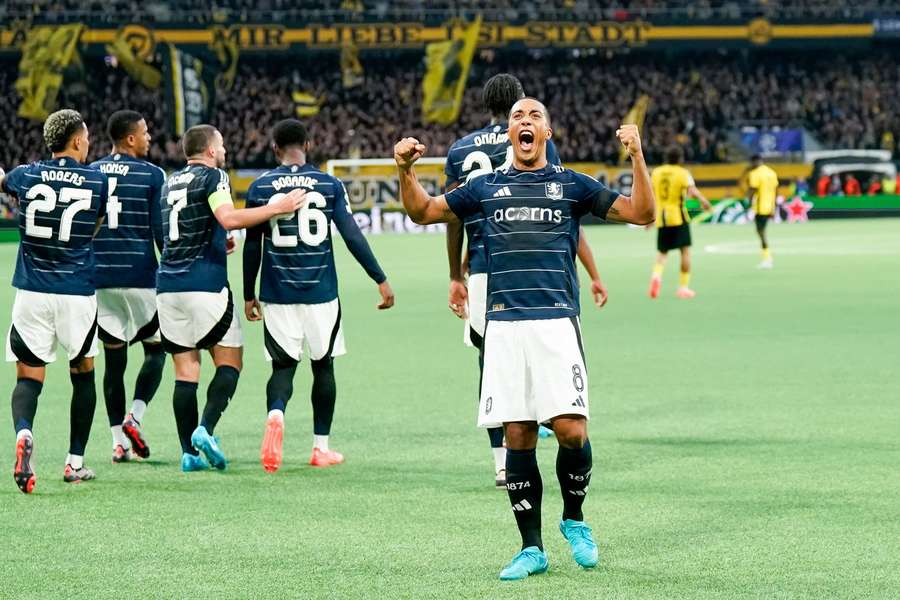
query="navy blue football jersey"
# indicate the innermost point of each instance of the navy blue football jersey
(298, 254)
(530, 228)
(480, 152)
(124, 245)
(193, 257)
(60, 201)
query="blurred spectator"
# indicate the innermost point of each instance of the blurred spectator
(696, 101)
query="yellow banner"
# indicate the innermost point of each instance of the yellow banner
(447, 68)
(46, 54)
(136, 66)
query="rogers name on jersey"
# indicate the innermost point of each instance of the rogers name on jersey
(526, 213)
(64, 176)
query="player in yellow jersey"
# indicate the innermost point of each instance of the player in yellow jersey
(763, 184)
(672, 184)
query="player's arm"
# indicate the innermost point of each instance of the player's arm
(252, 258)
(639, 208)
(229, 217)
(694, 192)
(101, 207)
(241, 218)
(421, 207)
(156, 226)
(458, 293)
(360, 249)
(586, 256)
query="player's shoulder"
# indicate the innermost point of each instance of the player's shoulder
(487, 135)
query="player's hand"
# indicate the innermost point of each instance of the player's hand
(599, 292)
(387, 295)
(706, 205)
(290, 202)
(630, 138)
(230, 244)
(458, 298)
(252, 310)
(407, 151)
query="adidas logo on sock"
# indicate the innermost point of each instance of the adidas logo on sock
(578, 492)
(502, 192)
(522, 506)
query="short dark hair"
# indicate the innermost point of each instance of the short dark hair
(674, 155)
(500, 93)
(122, 123)
(756, 158)
(289, 132)
(60, 127)
(546, 110)
(197, 139)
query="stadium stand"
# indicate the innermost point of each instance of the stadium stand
(696, 101)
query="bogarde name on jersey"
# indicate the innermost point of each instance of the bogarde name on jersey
(294, 181)
(528, 213)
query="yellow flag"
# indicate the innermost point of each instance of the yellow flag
(447, 68)
(306, 104)
(635, 116)
(135, 66)
(45, 55)
(351, 68)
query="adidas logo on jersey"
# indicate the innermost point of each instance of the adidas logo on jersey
(503, 192)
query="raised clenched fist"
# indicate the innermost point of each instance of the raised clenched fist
(630, 138)
(407, 151)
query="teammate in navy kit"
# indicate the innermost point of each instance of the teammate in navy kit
(482, 151)
(534, 366)
(126, 278)
(298, 301)
(61, 205)
(196, 310)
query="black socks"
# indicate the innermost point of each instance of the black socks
(525, 489)
(573, 469)
(151, 372)
(24, 402)
(81, 411)
(324, 392)
(218, 395)
(184, 401)
(114, 383)
(281, 386)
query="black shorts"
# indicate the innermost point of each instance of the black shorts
(762, 221)
(673, 238)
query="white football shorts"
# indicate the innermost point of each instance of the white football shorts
(533, 371)
(291, 328)
(189, 320)
(127, 315)
(40, 321)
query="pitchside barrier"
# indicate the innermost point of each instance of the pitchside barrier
(373, 193)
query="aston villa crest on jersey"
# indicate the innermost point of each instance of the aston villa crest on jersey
(554, 190)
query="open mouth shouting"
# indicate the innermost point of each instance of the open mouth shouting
(526, 140)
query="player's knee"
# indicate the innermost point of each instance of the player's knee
(520, 436)
(322, 365)
(571, 432)
(81, 365)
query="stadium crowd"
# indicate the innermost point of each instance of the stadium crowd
(843, 102)
(319, 11)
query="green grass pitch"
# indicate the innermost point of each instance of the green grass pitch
(745, 446)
